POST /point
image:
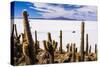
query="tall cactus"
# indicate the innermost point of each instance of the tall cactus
(30, 43)
(36, 43)
(12, 45)
(17, 37)
(96, 50)
(82, 41)
(87, 44)
(90, 49)
(73, 53)
(50, 46)
(60, 48)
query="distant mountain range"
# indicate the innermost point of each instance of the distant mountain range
(56, 18)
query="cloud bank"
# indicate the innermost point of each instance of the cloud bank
(66, 11)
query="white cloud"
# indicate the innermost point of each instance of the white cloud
(53, 11)
(40, 5)
(86, 12)
(88, 8)
(40, 9)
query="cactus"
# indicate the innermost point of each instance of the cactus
(15, 36)
(82, 41)
(55, 44)
(12, 30)
(71, 47)
(60, 48)
(15, 42)
(86, 44)
(96, 50)
(50, 46)
(76, 49)
(16, 30)
(73, 53)
(49, 37)
(68, 47)
(90, 49)
(36, 44)
(12, 45)
(30, 42)
(25, 49)
(45, 44)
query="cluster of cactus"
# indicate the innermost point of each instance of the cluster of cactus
(50, 46)
(72, 50)
(30, 48)
(15, 42)
(15, 36)
(88, 47)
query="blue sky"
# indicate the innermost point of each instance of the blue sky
(53, 11)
